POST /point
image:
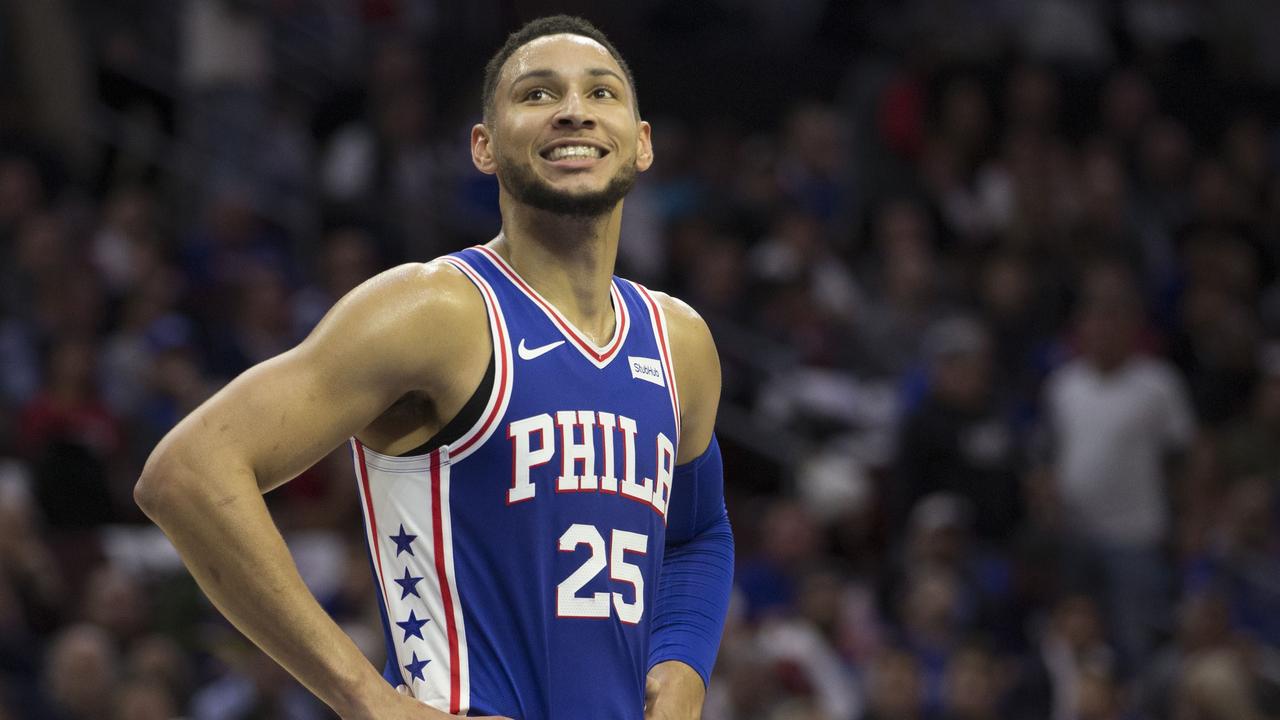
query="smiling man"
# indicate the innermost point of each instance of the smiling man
(532, 438)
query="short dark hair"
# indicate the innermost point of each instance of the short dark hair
(550, 25)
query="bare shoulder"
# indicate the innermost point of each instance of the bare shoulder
(697, 370)
(691, 339)
(398, 332)
(405, 292)
(420, 316)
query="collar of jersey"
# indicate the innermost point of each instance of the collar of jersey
(598, 355)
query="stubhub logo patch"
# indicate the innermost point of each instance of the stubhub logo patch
(647, 369)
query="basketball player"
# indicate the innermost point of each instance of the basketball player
(532, 439)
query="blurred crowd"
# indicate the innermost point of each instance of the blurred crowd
(994, 284)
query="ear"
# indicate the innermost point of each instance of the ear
(482, 149)
(644, 147)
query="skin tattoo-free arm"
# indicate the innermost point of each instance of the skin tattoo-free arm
(203, 484)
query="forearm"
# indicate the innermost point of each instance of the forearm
(693, 599)
(697, 568)
(216, 518)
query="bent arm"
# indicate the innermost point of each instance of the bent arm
(697, 568)
(203, 484)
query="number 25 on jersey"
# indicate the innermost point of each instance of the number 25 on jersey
(598, 605)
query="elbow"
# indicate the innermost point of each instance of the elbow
(160, 486)
(181, 480)
(149, 493)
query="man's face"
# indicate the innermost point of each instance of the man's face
(564, 135)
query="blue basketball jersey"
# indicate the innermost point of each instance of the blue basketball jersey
(517, 565)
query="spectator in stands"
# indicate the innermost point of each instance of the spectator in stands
(973, 686)
(255, 686)
(1217, 686)
(36, 595)
(22, 194)
(115, 601)
(226, 65)
(348, 257)
(814, 296)
(158, 659)
(811, 170)
(1162, 189)
(812, 674)
(770, 581)
(127, 248)
(895, 689)
(932, 624)
(1203, 627)
(1217, 337)
(384, 168)
(1019, 312)
(232, 240)
(940, 536)
(149, 319)
(1243, 559)
(952, 168)
(1127, 104)
(262, 324)
(81, 671)
(1071, 646)
(1105, 227)
(957, 440)
(1100, 694)
(1116, 421)
(1251, 445)
(1218, 197)
(903, 289)
(73, 439)
(42, 254)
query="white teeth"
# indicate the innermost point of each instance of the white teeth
(573, 151)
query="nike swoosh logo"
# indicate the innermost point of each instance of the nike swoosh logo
(531, 353)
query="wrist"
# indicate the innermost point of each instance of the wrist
(674, 690)
(360, 696)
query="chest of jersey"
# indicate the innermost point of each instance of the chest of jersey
(542, 528)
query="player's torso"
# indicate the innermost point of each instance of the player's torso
(538, 534)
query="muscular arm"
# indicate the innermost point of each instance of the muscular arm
(698, 565)
(203, 484)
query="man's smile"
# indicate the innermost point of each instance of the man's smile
(573, 153)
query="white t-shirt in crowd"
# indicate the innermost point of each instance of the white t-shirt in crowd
(1112, 433)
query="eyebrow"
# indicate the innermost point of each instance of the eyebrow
(549, 73)
(533, 74)
(599, 72)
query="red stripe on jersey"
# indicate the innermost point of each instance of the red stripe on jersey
(623, 319)
(571, 332)
(661, 331)
(502, 350)
(367, 492)
(446, 592)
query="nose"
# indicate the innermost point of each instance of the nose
(573, 113)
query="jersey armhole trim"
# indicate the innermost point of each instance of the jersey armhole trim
(468, 416)
(659, 321)
(500, 395)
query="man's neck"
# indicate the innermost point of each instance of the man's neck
(568, 260)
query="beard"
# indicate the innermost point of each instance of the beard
(526, 187)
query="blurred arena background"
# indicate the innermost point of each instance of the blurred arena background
(994, 284)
